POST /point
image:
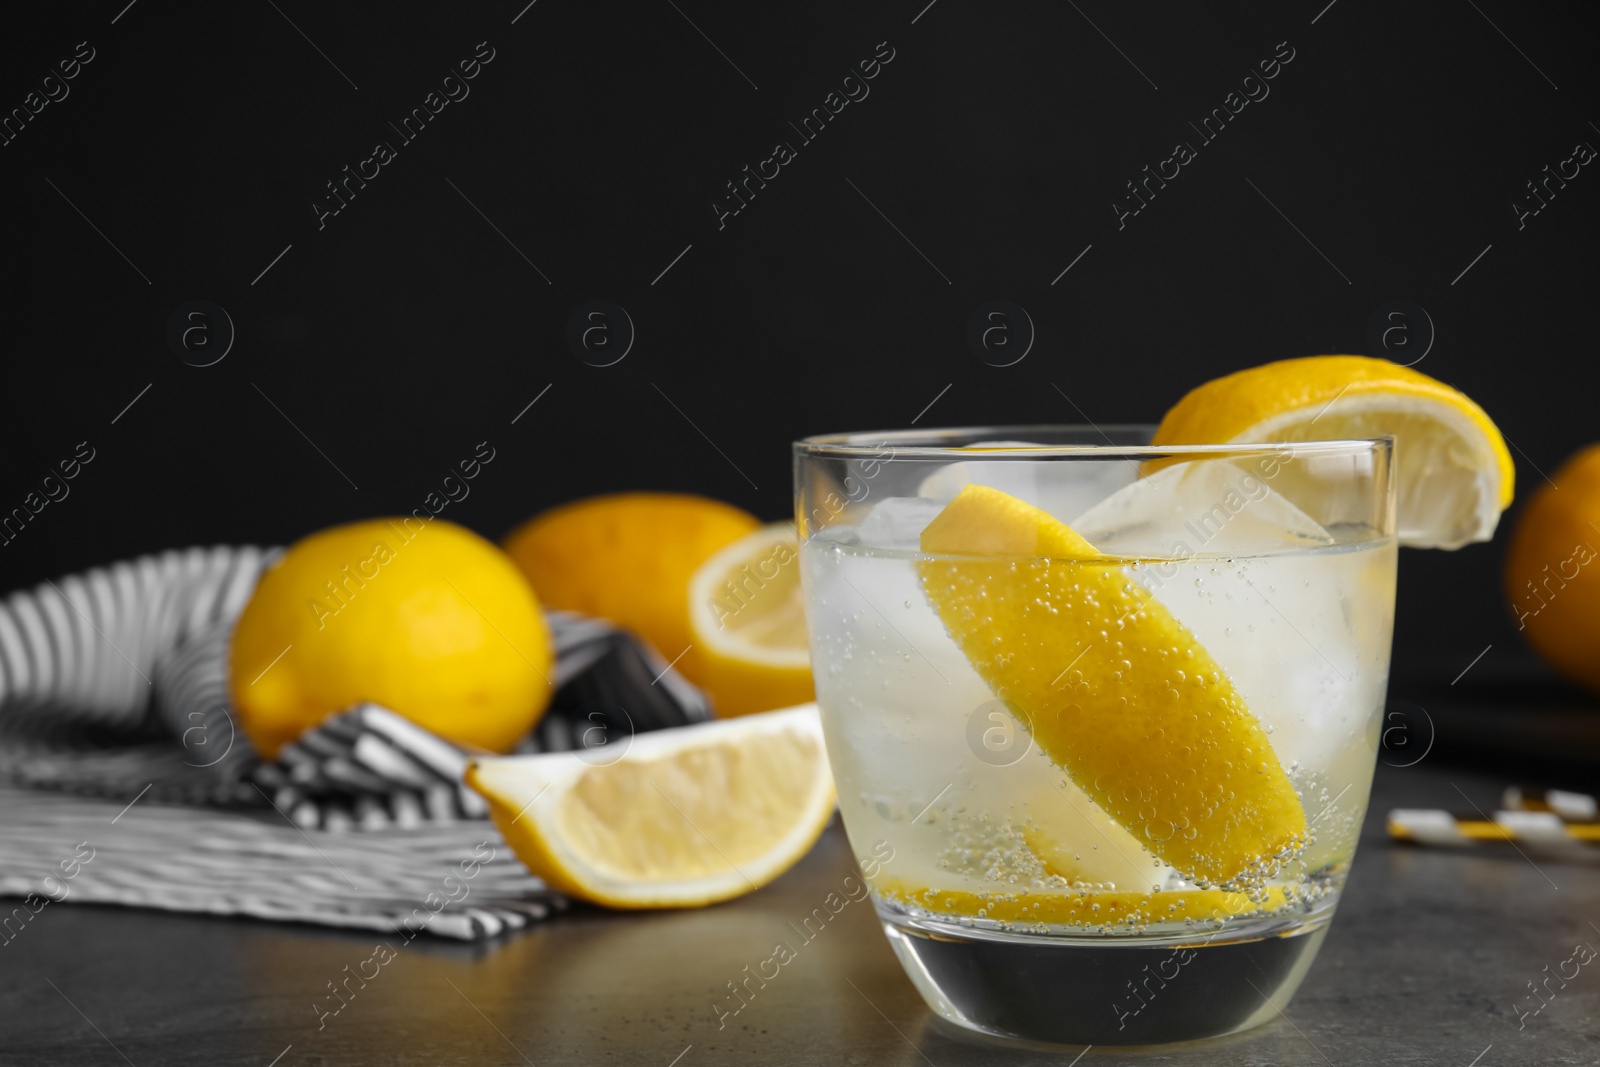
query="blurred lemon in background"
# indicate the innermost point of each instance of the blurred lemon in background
(1453, 473)
(749, 624)
(628, 557)
(432, 622)
(1552, 573)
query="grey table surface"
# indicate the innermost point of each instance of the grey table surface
(1428, 963)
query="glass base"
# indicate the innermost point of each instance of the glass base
(1047, 990)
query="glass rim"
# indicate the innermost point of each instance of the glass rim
(870, 444)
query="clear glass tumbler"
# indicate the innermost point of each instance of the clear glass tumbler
(1103, 716)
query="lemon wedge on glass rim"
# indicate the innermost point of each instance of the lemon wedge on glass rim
(676, 818)
(1453, 473)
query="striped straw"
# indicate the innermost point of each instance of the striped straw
(1570, 807)
(1430, 826)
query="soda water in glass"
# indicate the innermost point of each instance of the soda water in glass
(1115, 709)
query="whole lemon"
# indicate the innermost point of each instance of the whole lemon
(628, 557)
(430, 621)
(1553, 569)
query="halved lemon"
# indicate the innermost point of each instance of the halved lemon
(748, 623)
(684, 817)
(1116, 691)
(1453, 472)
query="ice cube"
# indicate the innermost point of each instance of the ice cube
(1235, 571)
(1203, 507)
(1063, 487)
(897, 522)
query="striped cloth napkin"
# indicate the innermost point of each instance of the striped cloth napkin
(450, 880)
(115, 732)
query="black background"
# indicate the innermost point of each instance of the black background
(408, 329)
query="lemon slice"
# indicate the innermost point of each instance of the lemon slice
(685, 817)
(1088, 908)
(1118, 693)
(1453, 472)
(748, 623)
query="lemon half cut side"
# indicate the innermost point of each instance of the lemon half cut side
(747, 619)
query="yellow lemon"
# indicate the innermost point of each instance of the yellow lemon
(748, 623)
(1118, 693)
(432, 622)
(681, 818)
(628, 557)
(1551, 573)
(1452, 471)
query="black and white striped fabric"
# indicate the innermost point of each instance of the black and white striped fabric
(454, 880)
(113, 684)
(81, 651)
(101, 672)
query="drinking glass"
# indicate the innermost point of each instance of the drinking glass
(1103, 715)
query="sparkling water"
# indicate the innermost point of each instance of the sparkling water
(981, 822)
